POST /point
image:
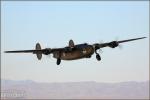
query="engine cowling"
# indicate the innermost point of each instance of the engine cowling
(113, 44)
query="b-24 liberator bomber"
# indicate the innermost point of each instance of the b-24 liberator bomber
(72, 51)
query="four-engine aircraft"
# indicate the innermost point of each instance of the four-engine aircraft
(72, 51)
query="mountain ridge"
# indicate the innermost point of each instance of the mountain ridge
(78, 90)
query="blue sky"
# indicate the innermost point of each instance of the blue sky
(53, 24)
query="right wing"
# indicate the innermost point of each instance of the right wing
(114, 44)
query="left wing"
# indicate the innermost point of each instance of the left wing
(45, 51)
(38, 51)
(114, 44)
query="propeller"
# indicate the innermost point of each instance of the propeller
(100, 50)
(119, 45)
(48, 56)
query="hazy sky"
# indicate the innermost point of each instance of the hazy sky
(53, 24)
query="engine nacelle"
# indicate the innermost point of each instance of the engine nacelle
(113, 44)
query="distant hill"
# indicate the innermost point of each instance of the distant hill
(74, 90)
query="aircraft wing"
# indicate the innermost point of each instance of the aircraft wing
(130, 40)
(43, 51)
(22, 51)
(114, 44)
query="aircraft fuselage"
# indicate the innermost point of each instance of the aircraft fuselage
(77, 52)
